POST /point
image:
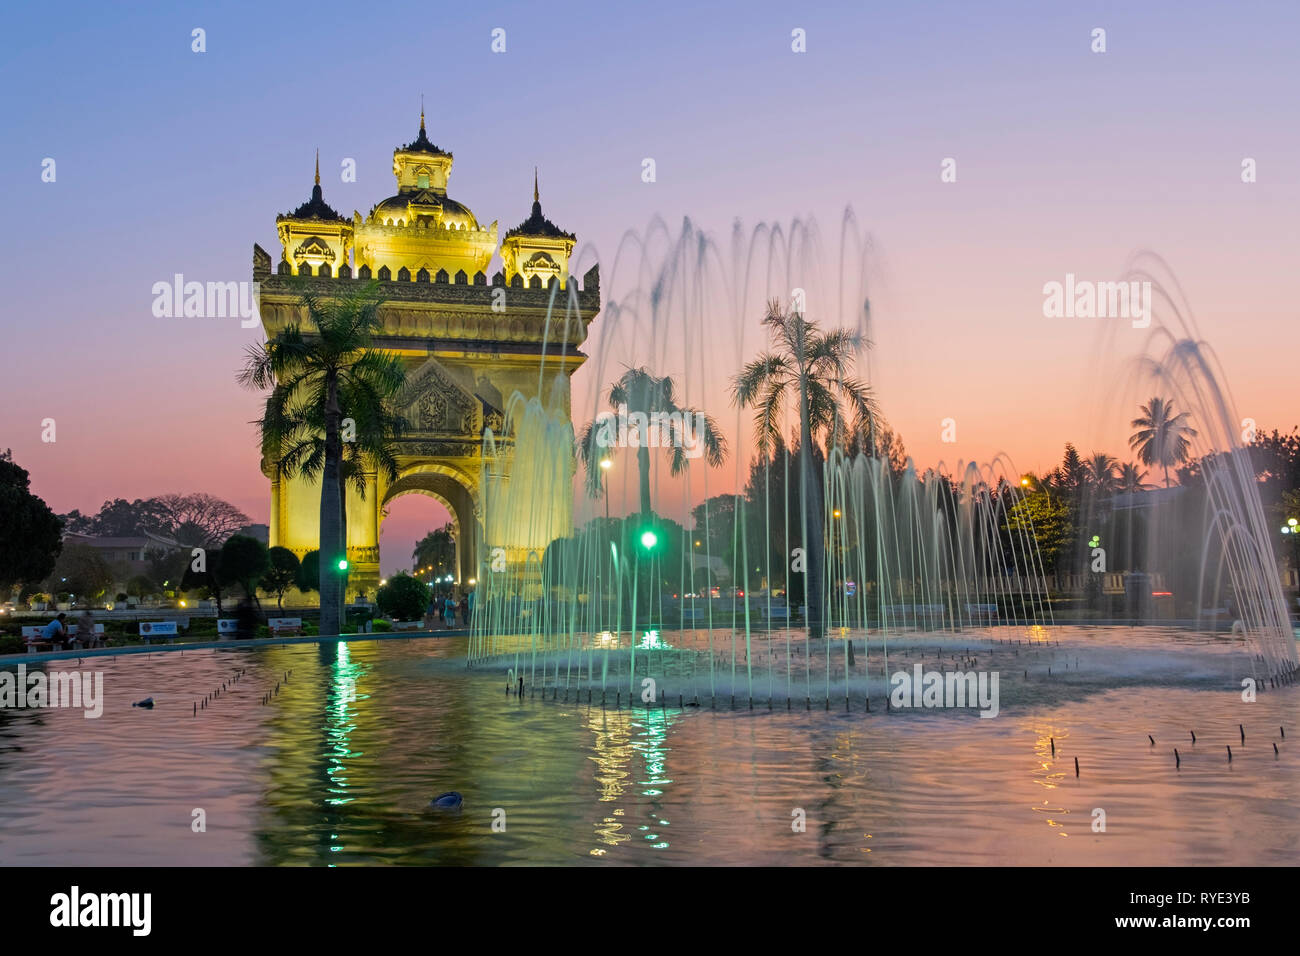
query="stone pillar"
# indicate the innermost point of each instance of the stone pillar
(273, 534)
(363, 540)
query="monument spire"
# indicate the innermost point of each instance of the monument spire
(421, 112)
(536, 195)
(317, 165)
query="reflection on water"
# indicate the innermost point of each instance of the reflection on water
(338, 768)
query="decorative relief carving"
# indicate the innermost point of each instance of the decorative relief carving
(434, 402)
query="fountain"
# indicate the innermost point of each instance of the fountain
(633, 609)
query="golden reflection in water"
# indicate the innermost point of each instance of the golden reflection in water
(611, 750)
(1046, 775)
(1037, 632)
(618, 737)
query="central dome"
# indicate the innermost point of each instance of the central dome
(422, 230)
(409, 207)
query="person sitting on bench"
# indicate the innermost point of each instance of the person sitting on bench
(55, 631)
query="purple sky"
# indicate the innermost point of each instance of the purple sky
(1068, 161)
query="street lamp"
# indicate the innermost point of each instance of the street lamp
(605, 465)
(1292, 527)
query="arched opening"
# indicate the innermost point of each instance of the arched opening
(408, 519)
(447, 500)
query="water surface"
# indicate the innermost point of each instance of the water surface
(339, 766)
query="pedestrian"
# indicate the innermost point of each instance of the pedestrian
(85, 629)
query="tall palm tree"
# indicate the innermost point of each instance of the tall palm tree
(1101, 473)
(641, 392)
(812, 368)
(321, 375)
(1161, 437)
(1132, 479)
(437, 549)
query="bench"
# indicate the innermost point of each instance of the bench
(164, 629)
(35, 639)
(408, 625)
(284, 625)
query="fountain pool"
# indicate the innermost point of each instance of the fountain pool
(339, 766)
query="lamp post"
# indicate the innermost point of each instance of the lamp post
(605, 465)
(343, 595)
(1292, 527)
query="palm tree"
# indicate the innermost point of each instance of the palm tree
(1161, 437)
(320, 377)
(811, 367)
(1132, 479)
(437, 549)
(639, 392)
(1101, 474)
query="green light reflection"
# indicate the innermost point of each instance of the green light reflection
(339, 724)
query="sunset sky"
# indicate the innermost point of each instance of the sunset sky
(1068, 161)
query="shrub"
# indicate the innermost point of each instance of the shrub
(379, 625)
(243, 561)
(403, 598)
(11, 644)
(309, 572)
(281, 575)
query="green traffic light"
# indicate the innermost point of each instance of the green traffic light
(343, 564)
(648, 540)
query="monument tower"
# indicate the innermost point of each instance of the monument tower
(470, 344)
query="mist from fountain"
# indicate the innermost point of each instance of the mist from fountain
(635, 605)
(1211, 539)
